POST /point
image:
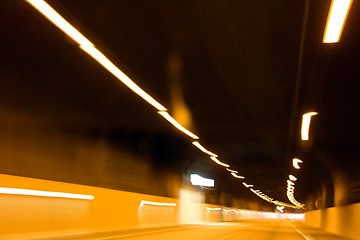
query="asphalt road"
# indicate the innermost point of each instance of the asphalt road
(244, 230)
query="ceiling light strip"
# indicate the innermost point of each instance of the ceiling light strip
(89, 48)
(237, 176)
(339, 10)
(219, 162)
(306, 125)
(177, 125)
(198, 145)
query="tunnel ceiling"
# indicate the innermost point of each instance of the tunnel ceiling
(231, 67)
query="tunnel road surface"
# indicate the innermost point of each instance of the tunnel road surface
(244, 230)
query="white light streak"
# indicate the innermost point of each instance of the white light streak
(28, 192)
(213, 209)
(237, 176)
(220, 163)
(143, 202)
(89, 48)
(336, 20)
(232, 170)
(306, 125)
(198, 145)
(247, 185)
(177, 125)
(290, 194)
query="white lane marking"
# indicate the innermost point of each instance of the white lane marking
(301, 233)
(144, 233)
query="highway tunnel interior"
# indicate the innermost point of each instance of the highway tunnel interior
(238, 74)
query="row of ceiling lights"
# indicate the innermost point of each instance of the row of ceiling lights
(338, 13)
(305, 126)
(89, 48)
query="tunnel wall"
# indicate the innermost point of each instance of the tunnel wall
(26, 217)
(341, 220)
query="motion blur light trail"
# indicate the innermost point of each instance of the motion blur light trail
(336, 20)
(177, 125)
(143, 202)
(219, 162)
(199, 146)
(28, 192)
(89, 48)
(306, 125)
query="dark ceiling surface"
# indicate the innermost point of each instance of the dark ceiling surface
(243, 71)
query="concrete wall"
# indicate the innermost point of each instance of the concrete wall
(343, 220)
(25, 217)
(44, 216)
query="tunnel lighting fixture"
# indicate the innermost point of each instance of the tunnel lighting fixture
(28, 192)
(198, 145)
(254, 191)
(177, 125)
(292, 178)
(59, 21)
(229, 210)
(247, 185)
(198, 180)
(213, 209)
(232, 170)
(290, 194)
(306, 125)
(296, 162)
(339, 10)
(280, 208)
(89, 48)
(143, 202)
(290, 183)
(220, 163)
(237, 176)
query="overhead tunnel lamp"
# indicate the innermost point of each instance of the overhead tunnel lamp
(292, 178)
(220, 163)
(213, 209)
(237, 176)
(198, 180)
(306, 125)
(280, 208)
(296, 162)
(198, 145)
(339, 10)
(247, 185)
(177, 125)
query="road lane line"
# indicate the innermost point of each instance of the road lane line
(301, 233)
(145, 233)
